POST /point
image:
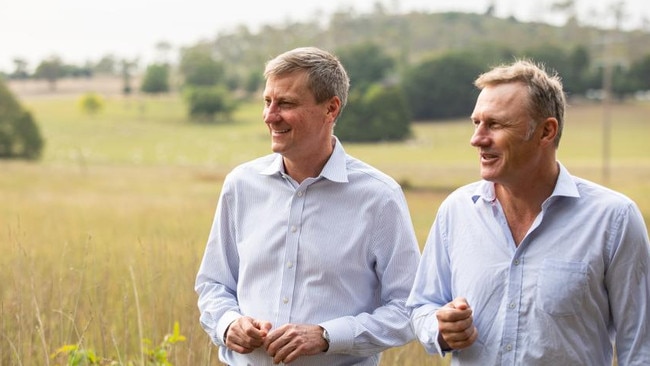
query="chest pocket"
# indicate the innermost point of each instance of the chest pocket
(561, 287)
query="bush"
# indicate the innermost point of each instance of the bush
(206, 102)
(91, 103)
(156, 79)
(20, 136)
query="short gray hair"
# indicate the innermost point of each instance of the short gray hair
(327, 76)
(546, 96)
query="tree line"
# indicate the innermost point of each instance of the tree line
(403, 67)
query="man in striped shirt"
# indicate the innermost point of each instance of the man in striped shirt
(312, 253)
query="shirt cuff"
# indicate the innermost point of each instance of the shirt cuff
(426, 331)
(341, 336)
(223, 324)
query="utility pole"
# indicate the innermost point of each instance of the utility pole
(609, 38)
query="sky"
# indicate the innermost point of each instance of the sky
(78, 31)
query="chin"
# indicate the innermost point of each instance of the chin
(488, 175)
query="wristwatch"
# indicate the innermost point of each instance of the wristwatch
(326, 337)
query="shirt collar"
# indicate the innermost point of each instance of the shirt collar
(565, 186)
(334, 170)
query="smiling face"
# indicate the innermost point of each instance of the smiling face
(509, 151)
(300, 128)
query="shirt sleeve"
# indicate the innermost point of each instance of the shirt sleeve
(628, 284)
(397, 255)
(216, 281)
(431, 289)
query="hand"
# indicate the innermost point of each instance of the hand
(291, 341)
(245, 334)
(456, 325)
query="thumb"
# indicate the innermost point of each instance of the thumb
(263, 326)
(460, 303)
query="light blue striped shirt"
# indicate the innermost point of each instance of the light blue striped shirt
(577, 282)
(338, 250)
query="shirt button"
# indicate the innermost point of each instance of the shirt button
(293, 229)
(509, 347)
(289, 264)
(516, 262)
(300, 194)
(512, 305)
(285, 300)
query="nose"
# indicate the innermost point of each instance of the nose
(480, 136)
(271, 113)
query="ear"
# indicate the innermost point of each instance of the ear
(550, 130)
(334, 107)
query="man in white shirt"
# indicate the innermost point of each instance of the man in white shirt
(312, 252)
(531, 265)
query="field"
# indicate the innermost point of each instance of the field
(102, 238)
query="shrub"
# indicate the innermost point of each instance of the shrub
(20, 136)
(91, 103)
(206, 102)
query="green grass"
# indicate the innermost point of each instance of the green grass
(133, 190)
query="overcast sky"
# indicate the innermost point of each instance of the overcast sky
(85, 30)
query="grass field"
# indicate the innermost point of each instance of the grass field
(101, 240)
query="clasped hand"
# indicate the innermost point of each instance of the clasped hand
(284, 344)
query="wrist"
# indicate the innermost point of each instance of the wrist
(326, 337)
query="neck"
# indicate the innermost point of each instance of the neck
(305, 167)
(522, 202)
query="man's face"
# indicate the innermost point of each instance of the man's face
(508, 149)
(299, 127)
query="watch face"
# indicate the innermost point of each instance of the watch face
(326, 335)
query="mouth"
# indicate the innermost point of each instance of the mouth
(280, 132)
(487, 157)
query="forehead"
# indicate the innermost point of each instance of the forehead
(294, 84)
(507, 98)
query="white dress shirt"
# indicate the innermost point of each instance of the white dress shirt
(578, 282)
(338, 250)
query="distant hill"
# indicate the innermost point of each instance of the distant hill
(413, 36)
(408, 38)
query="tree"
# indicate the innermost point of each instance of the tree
(50, 69)
(156, 79)
(20, 137)
(366, 63)
(20, 71)
(639, 74)
(572, 65)
(379, 114)
(107, 65)
(443, 87)
(127, 67)
(199, 68)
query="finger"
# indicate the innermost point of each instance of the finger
(453, 315)
(244, 335)
(276, 341)
(461, 340)
(262, 327)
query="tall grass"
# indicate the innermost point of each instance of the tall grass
(125, 199)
